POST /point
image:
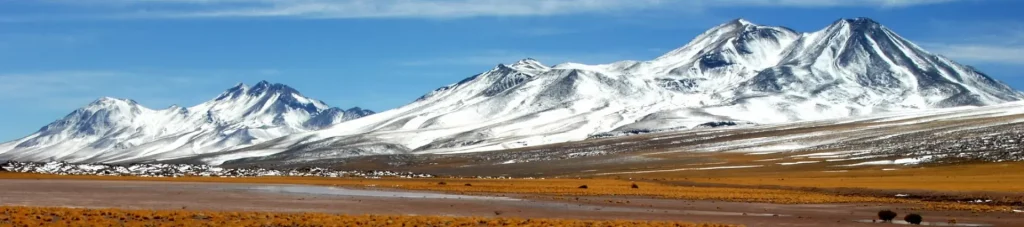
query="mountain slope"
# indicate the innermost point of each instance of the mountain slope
(736, 72)
(121, 130)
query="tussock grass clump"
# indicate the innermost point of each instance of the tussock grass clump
(39, 216)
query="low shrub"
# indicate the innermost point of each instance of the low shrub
(913, 219)
(887, 215)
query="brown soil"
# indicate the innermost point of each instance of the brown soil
(216, 196)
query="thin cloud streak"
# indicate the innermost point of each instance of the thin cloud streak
(828, 3)
(434, 9)
(980, 52)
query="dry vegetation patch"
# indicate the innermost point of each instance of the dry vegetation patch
(994, 177)
(37, 216)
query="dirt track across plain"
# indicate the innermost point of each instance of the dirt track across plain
(244, 197)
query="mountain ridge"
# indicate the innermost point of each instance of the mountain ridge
(738, 72)
(735, 74)
(119, 129)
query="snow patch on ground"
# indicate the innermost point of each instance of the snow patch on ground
(882, 162)
(833, 154)
(769, 160)
(902, 161)
(797, 163)
(684, 169)
(220, 159)
(771, 149)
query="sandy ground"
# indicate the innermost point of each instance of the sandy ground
(246, 197)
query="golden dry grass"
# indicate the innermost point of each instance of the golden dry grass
(557, 188)
(993, 177)
(38, 216)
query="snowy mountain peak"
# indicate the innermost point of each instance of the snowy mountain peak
(233, 92)
(267, 93)
(261, 105)
(859, 21)
(859, 25)
(726, 48)
(860, 61)
(742, 22)
(113, 100)
(359, 111)
(267, 87)
(526, 61)
(739, 25)
(529, 64)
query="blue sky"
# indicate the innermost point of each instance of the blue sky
(58, 55)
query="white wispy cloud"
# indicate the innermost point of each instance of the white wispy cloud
(980, 52)
(126, 9)
(994, 42)
(828, 3)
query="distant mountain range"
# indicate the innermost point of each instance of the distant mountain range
(737, 73)
(121, 130)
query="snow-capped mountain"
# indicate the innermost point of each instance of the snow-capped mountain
(121, 130)
(737, 72)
